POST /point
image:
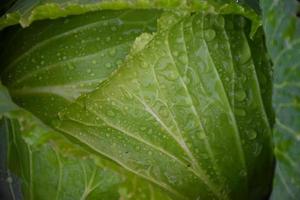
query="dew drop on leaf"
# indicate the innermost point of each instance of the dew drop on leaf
(243, 173)
(251, 134)
(209, 34)
(172, 76)
(186, 80)
(70, 67)
(240, 112)
(108, 65)
(257, 148)
(110, 113)
(143, 128)
(143, 65)
(112, 52)
(240, 95)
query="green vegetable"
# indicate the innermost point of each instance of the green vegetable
(281, 26)
(59, 60)
(48, 164)
(164, 99)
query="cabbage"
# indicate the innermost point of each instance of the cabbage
(136, 100)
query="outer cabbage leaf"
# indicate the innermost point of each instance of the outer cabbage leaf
(6, 103)
(27, 11)
(53, 62)
(185, 112)
(51, 167)
(282, 29)
(9, 186)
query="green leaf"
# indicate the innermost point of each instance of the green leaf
(6, 103)
(53, 62)
(27, 11)
(282, 29)
(49, 166)
(185, 112)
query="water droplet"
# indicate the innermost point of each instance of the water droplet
(112, 52)
(110, 113)
(171, 178)
(163, 112)
(175, 53)
(179, 40)
(70, 67)
(66, 21)
(257, 148)
(172, 76)
(186, 80)
(240, 95)
(243, 173)
(108, 65)
(202, 136)
(209, 34)
(251, 134)
(240, 112)
(243, 78)
(143, 65)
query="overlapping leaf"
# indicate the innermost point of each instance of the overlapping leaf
(173, 109)
(282, 28)
(49, 166)
(53, 62)
(25, 12)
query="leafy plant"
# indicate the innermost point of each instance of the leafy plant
(164, 99)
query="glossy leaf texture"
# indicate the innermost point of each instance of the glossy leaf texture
(51, 167)
(185, 112)
(282, 29)
(53, 62)
(24, 12)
